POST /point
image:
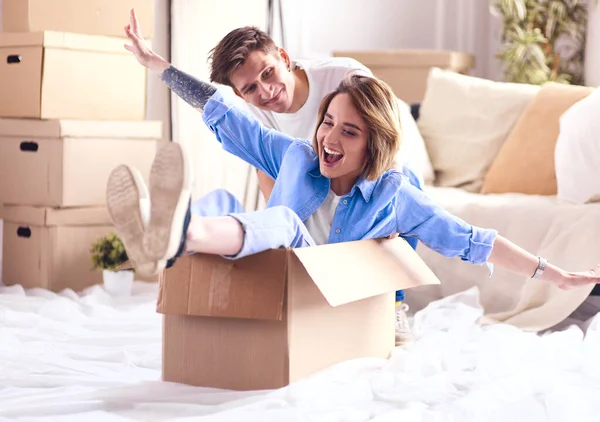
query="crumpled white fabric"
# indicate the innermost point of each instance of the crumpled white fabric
(97, 358)
(577, 153)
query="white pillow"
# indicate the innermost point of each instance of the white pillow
(464, 121)
(413, 153)
(577, 153)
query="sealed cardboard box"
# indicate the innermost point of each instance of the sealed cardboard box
(98, 17)
(66, 163)
(406, 71)
(48, 248)
(266, 320)
(59, 75)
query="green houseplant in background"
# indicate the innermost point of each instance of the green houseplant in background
(107, 254)
(532, 36)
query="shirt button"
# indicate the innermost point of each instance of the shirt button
(338, 231)
(345, 202)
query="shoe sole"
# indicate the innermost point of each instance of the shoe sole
(170, 191)
(125, 188)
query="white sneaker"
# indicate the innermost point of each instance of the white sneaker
(404, 334)
(128, 204)
(170, 194)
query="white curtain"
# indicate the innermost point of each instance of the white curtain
(196, 27)
(158, 104)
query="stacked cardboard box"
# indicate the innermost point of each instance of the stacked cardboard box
(73, 106)
(406, 71)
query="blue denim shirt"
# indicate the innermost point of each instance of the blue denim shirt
(372, 209)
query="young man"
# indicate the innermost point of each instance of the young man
(285, 95)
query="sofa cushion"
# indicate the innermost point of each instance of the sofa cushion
(577, 154)
(464, 121)
(525, 163)
(413, 152)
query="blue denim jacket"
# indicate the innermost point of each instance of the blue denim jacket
(372, 209)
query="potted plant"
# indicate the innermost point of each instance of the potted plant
(542, 40)
(107, 254)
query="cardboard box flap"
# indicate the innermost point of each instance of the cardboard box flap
(46, 217)
(411, 58)
(351, 271)
(209, 285)
(63, 40)
(36, 128)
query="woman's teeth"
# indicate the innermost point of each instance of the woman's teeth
(331, 152)
(331, 156)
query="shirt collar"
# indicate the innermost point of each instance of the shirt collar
(365, 186)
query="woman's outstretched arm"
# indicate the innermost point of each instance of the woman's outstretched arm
(418, 215)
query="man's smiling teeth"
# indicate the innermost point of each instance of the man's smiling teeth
(331, 152)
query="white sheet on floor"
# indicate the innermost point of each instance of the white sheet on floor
(96, 358)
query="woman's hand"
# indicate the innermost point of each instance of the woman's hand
(138, 47)
(514, 258)
(572, 280)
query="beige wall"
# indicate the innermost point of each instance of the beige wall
(158, 100)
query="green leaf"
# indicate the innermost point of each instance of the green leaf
(531, 29)
(107, 253)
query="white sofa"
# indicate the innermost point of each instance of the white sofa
(471, 129)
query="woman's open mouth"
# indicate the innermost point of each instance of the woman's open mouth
(331, 157)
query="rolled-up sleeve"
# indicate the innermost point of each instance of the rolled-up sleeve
(418, 215)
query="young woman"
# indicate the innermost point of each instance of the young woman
(339, 187)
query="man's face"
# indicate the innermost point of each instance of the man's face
(265, 81)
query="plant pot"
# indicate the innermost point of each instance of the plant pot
(118, 283)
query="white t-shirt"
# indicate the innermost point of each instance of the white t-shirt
(319, 224)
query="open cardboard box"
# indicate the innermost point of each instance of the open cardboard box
(266, 320)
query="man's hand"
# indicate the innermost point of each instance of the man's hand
(138, 47)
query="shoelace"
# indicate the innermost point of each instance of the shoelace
(401, 318)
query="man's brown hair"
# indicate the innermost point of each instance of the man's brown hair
(378, 106)
(233, 50)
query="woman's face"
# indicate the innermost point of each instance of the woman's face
(342, 140)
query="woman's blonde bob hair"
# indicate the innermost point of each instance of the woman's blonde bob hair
(378, 106)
